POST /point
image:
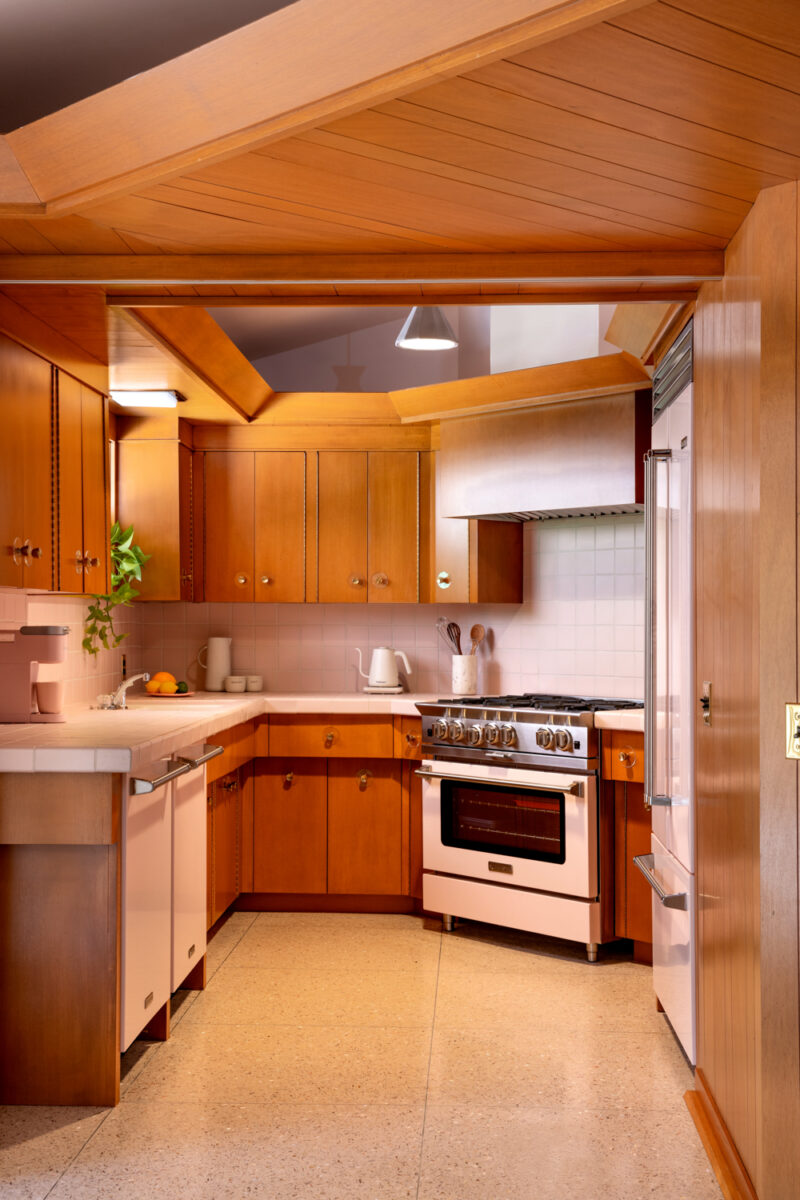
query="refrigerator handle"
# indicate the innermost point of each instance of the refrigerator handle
(651, 459)
(646, 863)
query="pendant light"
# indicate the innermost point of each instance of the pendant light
(426, 328)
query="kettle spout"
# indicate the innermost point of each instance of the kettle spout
(360, 664)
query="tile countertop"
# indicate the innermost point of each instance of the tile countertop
(101, 740)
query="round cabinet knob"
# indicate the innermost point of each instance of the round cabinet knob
(363, 778)
(443, 579)
(91, 562)
(627, 758)
(563, 739)
(455, 731)
(474, 735)
(356, 582)
(186, 577)
(240, 579)
(266, 579)
(329, 739)
(78, 562)
(36, 552)
(380, 580)
(439, 728)
(508, 734)
(412, 739)
(545, 739)
(491, 734)
(289, 778)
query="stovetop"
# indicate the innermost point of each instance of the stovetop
(543, 702)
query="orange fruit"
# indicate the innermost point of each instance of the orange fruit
(168, 689)
(163, 677)
(153, 685)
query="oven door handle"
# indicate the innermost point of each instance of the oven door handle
(571, 789)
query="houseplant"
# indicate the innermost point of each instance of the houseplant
(127, 561)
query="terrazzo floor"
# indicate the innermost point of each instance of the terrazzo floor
(373, 1058)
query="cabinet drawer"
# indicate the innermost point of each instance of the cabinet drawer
(239, 743)
(408, 737)
(338, 737)
(623, 756)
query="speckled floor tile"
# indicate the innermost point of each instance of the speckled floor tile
(524, 1065)
(251, 995)
(478, 1153)
(226, 940)
(206, 1152)
(335, 941)
(38, 1143)
(231, 1064)
(591, 1001)
(476, 947)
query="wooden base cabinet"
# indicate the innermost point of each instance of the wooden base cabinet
(290, 825)
(223, 833)
(365, 827)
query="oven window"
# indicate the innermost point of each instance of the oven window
(504, 820)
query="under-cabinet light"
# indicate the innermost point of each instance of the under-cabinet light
(426, 328)
(159, 399)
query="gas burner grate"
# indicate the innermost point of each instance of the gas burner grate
(544, 702)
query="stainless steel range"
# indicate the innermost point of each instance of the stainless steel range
(511, 830)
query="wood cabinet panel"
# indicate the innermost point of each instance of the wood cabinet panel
(342, 527)
(408, 737)
(280, 512)
(239, 748)
(393, 527)
(229, 483)
(290, 837)
(224, 875)
(26, 496)
(633, 896)
(342, 737)
(365, 827)
(95, 490)
(154, 495)
(623, 757)
(70, 485)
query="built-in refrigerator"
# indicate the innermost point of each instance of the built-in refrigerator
(669, 692)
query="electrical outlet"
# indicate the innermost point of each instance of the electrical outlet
(793, 730)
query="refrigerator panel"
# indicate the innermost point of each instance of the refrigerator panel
(673, 947)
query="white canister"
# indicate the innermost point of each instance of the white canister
(255, 683)
(217, 662)
(465, 675)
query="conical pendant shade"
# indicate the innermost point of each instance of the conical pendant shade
(426, 328)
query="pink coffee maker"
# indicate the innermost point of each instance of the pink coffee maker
(21, 651)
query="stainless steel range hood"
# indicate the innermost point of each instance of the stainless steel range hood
(574, 459)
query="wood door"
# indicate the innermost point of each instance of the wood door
(290, 825)
(225, 845)
(94, 449)
(449, 574)
(155, 497)
(632, 827)
(229, 525)
(393, 542)
(70, 485)
(185, 548)
(342, 529)
(25, 466)
(312, 736)
(280, 526)
(365, 837)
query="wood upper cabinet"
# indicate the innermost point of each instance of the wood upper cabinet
(83, 536)
(26, 495)
(154, 494)
(255, 525)
(471, 561)
(365, 827)
(290, 826)
(368, 530)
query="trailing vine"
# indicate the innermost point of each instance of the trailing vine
(127, 561)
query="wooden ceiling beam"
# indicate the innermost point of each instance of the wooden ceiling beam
(16, 190)
(606, 375)
(607, 268)
(307, 63)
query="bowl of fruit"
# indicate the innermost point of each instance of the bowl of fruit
(163, 684)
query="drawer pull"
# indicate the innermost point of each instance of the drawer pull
(288, 779)
(412, 739)
(363, 778)
(148, 1000)
(356, 582)
(329, 739)
(380, 580)
(627, 758)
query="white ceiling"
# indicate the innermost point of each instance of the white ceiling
(54, 52)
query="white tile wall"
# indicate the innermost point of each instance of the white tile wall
(580, 628)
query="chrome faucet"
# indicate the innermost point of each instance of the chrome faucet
(118, 699)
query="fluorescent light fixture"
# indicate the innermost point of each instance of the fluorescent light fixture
(426, 328)
(155, 399)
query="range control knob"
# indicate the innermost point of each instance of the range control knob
(455, 731)
(491, 733)
(508, 734)
(563, 739)
(475, 735)
(439, 729)
(545, 739)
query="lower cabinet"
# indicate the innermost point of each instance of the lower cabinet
(188, 874)
(365, 827)
(623, 769)
(223, 828)
(290, 825)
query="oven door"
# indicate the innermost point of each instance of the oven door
(531, 829)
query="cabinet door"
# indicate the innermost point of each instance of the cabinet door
(365, 842)
(634, 913)
(26, 497)
(155, 496)
(229, 494)
(225, 848)
(393, 547)
(94, 449)
(280, 526)
(188, 873)
(290, 826)
(70, 485)
(342, 533)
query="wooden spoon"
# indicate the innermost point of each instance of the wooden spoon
(477, 634)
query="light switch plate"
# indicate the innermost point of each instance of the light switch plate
(793, 730)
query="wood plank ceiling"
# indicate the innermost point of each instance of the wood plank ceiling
(652, 131)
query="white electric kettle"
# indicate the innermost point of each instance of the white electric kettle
(383, 668)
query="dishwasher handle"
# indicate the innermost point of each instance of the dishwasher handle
(141, 787)
(196, 760)
(646, 863)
